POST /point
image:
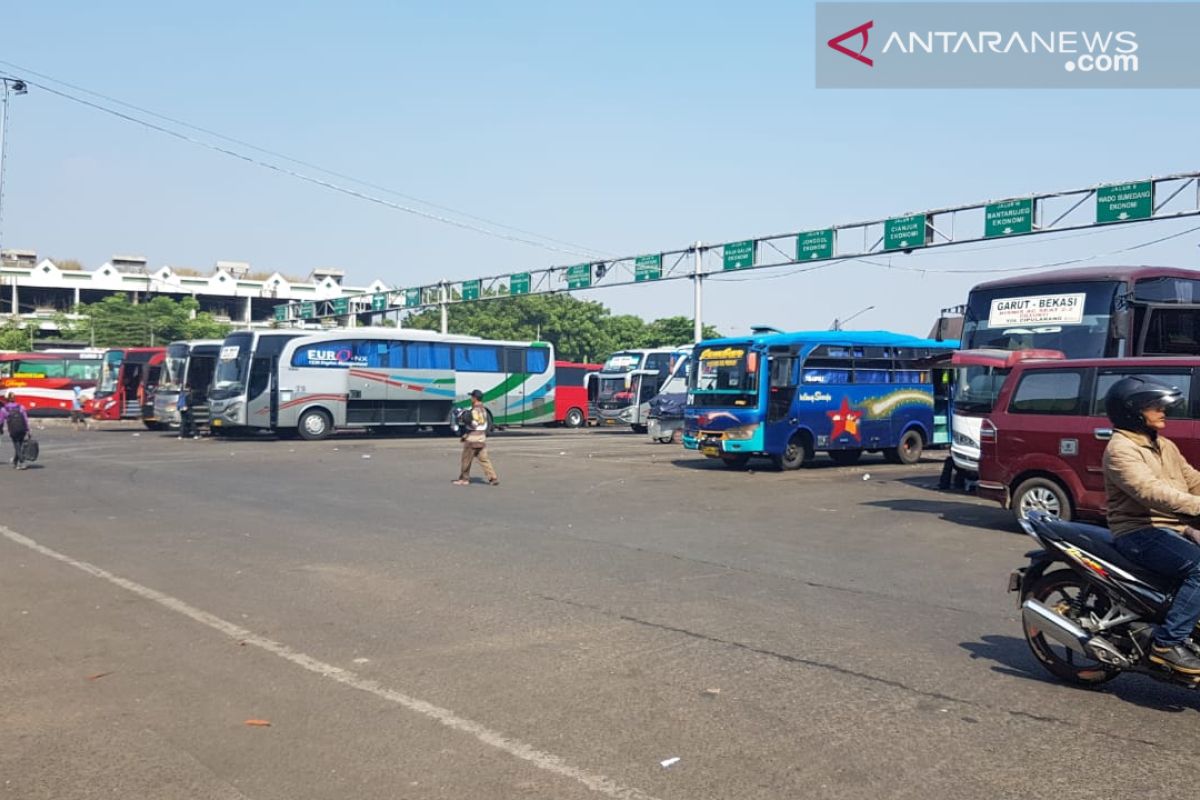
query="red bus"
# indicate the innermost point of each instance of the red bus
(45, 382)
(573, 394)
(128, 378)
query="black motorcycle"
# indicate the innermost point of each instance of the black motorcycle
(1088, 613)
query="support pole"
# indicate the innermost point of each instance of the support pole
(697, 291)
(3, 128)
(445, 309)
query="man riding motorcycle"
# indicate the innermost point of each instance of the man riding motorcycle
(1151, 490)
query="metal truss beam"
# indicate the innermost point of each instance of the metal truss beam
(1167, 197)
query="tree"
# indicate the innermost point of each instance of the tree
(580, 330)
(14, 337)
(669, 331)
(116, 322)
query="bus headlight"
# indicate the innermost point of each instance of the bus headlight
(742, 433)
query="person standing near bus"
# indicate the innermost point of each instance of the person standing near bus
(184, 407)
(77, 418)
(13, 416)
(475, 443)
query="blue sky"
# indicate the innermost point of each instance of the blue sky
(627, 127)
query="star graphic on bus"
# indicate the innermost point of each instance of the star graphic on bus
(845, 420)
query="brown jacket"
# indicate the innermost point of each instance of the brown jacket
(1148, 483)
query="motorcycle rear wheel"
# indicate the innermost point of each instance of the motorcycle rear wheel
(1073, 597)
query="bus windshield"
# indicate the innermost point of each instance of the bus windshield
(233, 364)
(725, 377)
(109, 371)
(977, 387)
(622, 362)
(174, 367)
(1073, 317)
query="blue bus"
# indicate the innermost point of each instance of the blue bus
(785, 396)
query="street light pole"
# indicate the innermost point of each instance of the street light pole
(7, 86)
(838, 323)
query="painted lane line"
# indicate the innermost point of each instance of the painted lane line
(538, 758)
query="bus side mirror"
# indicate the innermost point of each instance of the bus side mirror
(1118, 326)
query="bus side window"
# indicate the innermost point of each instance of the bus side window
(827, 364)
(260, 376)
(537, 360)
(476, 358)
(427, 355)
(370, 353)
(873, 365)
(395, 357)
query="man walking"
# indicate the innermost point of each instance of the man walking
(78, 420)
(12, 416)
(475, 442)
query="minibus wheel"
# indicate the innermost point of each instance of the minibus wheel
(908, 451)
(574, 418)
(315, 424)
(797, 453)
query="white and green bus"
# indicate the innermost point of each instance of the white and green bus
(387, 377)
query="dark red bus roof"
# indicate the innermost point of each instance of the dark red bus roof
(1083, 274)
(593, 367)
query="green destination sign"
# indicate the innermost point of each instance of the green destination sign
(518, 283)
(307, 310)
(579, 276)
(470, 290)
(1125, 201)
(738, 255)
(904, 233)
(379, 302)
(341, 305)
(281, 313)
(814, 245)
(412, 298)
(1008, 218)
(647, 268)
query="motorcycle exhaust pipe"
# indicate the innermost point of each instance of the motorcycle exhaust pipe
(1056, 626)
(1066, 632)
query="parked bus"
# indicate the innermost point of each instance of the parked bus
(377, 378)
(664, 419)
(1092, 312)
(44, 382)
(786, 396)
(627, 382)
(191, 364)
(572, 404)
(128, 376)
(245, 389)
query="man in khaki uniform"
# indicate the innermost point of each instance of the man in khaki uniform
(475, 444)
(1152, 494)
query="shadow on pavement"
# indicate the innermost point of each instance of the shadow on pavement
(967, 514)
(1010, 656)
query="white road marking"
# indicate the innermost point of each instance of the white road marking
(539, 758)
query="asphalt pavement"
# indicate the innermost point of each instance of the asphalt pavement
(618, 619)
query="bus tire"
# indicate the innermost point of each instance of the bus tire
(574, 418)
(799, 452)
(908, 451)
(845, 458)
(315, 425)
